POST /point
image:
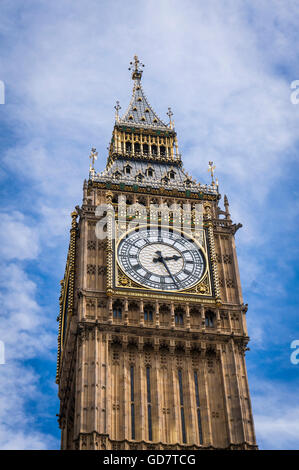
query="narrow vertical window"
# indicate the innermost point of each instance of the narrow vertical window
(132, 404)
(198, 407)
(148, 314)
(182, 407)
(117, 313)
(149, 404)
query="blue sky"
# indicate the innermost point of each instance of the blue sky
(225, 68)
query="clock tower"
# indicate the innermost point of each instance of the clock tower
(152, 324)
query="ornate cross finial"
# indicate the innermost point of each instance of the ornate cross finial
(93, 156)
(136, 70)
(170, 114)
(211, 170)
(117, 108)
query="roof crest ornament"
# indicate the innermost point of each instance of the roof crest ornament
(136, 70)
(170, 114)
(211, 170)
(117, 108)
(93, 156)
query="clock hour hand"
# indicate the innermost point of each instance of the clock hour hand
(169, 258)
(174, 257)
(162, 260)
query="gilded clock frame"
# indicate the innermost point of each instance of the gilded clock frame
(123, 284)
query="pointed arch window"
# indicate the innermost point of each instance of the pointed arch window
(128, 147)
(210, 319)
(117, 311)
(179, 318)
(139, 177)
(148, 314)
(150, 172)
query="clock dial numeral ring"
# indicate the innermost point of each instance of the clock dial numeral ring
(161, 259)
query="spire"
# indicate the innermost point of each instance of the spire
(226, 205)
(139, 112)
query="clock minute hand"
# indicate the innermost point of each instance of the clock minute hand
(162, 260)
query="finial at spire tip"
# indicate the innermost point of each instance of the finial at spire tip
(136, 68)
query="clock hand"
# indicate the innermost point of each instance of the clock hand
(174, 257)
(162, 260)
(167, 269)
(160, 257)
(169, 258)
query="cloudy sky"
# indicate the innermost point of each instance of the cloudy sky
(226, 70)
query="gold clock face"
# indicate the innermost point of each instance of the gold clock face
(161, 258)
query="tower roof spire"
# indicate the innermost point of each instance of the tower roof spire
(139, 112)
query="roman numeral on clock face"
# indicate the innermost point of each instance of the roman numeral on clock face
(136, 266)
(187, 272)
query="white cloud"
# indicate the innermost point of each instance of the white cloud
(18, 240)
(276, 415)
(24, 324)
(27, 332)
(17, 427)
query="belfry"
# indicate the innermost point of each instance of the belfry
(152, 324)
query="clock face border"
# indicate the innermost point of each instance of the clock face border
(140, 286)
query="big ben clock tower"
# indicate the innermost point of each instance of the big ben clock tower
(152, 324)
